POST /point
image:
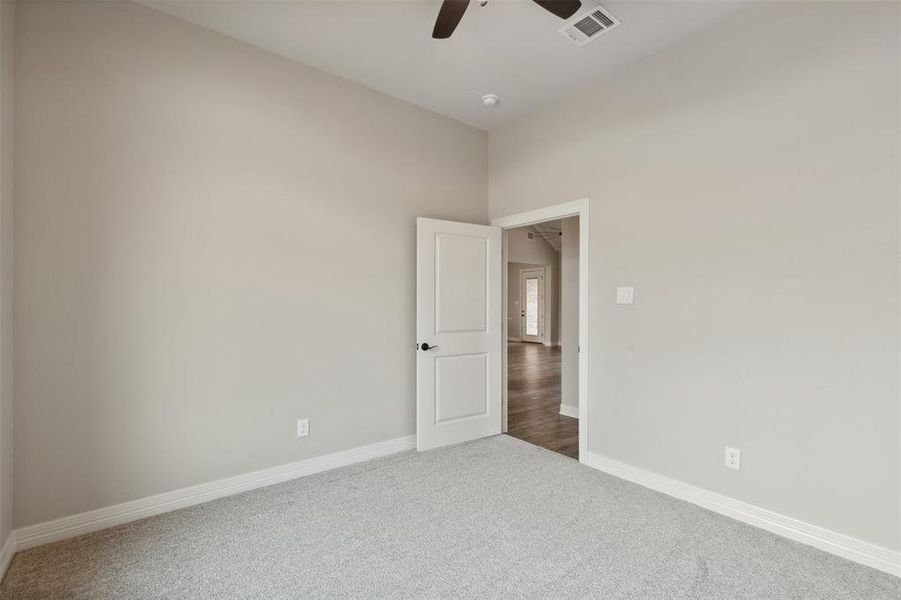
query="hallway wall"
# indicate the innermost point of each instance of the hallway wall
(569, 314)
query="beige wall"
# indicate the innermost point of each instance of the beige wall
(7, 128)
(211, 242)
(569, 312)
(745, 182)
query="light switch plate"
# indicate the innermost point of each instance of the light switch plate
(625, 295)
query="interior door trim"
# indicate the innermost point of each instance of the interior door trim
(576, 208)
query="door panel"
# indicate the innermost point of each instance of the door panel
(462, 295)
(458, 317)
(461, 387)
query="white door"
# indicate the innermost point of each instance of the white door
(458, 331)
(532, 304)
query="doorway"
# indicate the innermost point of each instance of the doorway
(541, 295)
(532, 304)
(462, 320)
(531, 372)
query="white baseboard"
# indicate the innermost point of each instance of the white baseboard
(569, 411)
(839, 544)
(102, 518)
(7, 552)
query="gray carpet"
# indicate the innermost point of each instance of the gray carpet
(495, 518)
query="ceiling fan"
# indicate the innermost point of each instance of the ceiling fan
(452, 11)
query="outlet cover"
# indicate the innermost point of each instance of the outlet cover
(303, 427)
(733, 458)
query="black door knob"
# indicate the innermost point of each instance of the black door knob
(425, 346)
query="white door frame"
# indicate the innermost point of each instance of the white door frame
(542, 336)
(577, 208)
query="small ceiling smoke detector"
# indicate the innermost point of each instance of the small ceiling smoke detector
(489, 100)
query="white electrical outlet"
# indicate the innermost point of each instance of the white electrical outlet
(303, 427)
(733, 458)
(625, 295)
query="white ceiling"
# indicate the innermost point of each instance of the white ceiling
(510, 47)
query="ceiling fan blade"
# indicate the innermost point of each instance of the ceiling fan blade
(562, 8)
(448, 18)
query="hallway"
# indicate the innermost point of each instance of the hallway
(533, 399)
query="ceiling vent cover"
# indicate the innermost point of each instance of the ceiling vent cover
(589, 25)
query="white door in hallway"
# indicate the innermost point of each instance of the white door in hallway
(532, 303)
(458, 330)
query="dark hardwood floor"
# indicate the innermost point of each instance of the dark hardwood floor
(533, 399)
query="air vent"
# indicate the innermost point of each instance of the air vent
(589, 25)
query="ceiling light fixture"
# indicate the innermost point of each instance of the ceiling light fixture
(489, 100)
